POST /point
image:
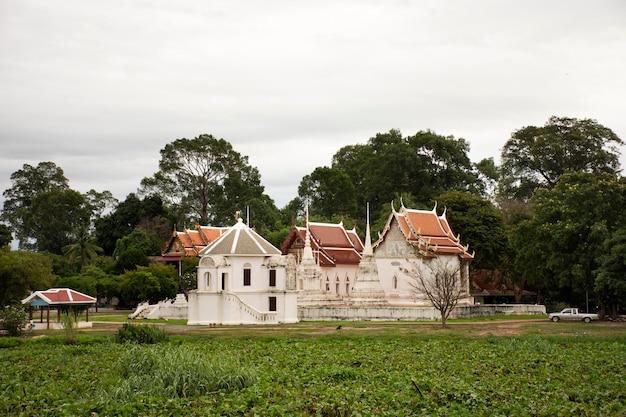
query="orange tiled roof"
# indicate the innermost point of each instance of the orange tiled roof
(191, 241)
(428, 230)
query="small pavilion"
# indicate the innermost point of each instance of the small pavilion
(59, 299)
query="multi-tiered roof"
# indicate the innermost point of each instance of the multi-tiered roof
(331, 243)
(426, 230)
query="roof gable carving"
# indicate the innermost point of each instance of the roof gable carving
(190, 242)
(426, 230)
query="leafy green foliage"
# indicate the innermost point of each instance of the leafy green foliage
(150, 214)
(147, 243)
(561, 244)
(142, 334)
(83, 248)
(5, 235)
(13, 319)
(80, 283)
(480, 226)
(27, 183)
(328, 191)
(70, 326)
(155, 282)
(424, 165)
(205, 180)
(537, 156)
(21, 273)
(172, 372)
(334, 375)
(610, 282)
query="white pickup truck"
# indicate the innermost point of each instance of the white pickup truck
(572, 314)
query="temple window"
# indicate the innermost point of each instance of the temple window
(247, 274)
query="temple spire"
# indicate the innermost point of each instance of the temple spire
(308, 252)
(367, 250)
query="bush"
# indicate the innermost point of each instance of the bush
(173, 372)
(70, 327)
(14, 319)
(143, 334)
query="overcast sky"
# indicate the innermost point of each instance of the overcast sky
(100, 87)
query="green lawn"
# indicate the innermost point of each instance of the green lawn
(385, 369)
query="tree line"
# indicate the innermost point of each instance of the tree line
(549, 215)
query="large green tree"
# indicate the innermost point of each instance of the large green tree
(153, 283)
(56, 216)
(423, 165)
(27, 184)
(148, 213)
(204, 180)
(480, 225)
(83, 248)
(561, 244)
(537, 156)
(610, 282)
(44, 212)
(328, 191)
(21, 273)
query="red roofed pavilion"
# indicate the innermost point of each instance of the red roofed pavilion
(59, 298)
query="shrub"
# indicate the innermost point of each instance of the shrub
(14, 319)
(143, 334)
(70, 327)
(174, 372)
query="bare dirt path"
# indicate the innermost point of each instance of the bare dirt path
(469, 329)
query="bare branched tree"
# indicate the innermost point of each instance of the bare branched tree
(437, 281)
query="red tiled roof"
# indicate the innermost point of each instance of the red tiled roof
(428, 230)
(331, 243)
(57, 296)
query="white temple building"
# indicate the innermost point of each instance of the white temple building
(325, 272)
(243, 279)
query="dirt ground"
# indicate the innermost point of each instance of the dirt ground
(470, 329)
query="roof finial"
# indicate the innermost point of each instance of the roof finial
(435, 208)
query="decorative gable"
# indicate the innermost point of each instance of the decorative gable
(190, 242)
(426, 230)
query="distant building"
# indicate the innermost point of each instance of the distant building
(322, 271)
(189, 242)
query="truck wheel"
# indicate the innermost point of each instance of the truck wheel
(555, 319)
(587, 320)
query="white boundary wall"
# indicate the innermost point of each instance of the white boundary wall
(398, 313)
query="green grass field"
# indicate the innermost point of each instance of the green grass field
(484, 368)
